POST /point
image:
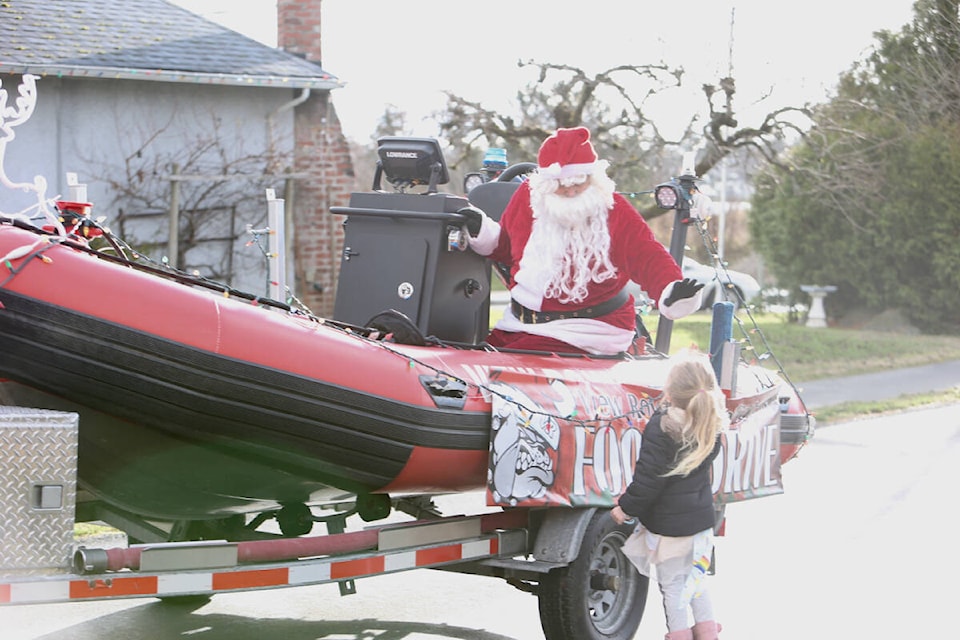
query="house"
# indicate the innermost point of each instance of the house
(165, 115)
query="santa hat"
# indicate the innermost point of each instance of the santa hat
(567, 153)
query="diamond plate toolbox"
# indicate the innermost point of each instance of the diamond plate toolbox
(38, 490)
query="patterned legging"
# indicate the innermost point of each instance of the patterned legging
(675, 608)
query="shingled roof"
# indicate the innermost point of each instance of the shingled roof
(143, 40)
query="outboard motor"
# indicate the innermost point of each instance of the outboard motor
(408, 251)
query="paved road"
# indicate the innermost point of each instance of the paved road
(882, 385)
(854, 548)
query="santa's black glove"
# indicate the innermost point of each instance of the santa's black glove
(474, 219)
(686, 288)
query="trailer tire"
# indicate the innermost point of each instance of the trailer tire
(598, 596)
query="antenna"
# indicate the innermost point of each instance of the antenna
(733, 12)
(722, 222)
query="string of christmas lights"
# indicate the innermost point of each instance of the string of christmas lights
(747, 344)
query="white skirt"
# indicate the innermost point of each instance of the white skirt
(666, 558)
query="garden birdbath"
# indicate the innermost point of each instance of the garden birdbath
(817, 317)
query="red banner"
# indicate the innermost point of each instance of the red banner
(575, 442)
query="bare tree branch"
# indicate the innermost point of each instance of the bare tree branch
(613, 104)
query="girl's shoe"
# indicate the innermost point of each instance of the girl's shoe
(706, 630)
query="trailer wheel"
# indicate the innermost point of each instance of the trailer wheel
(598, 596)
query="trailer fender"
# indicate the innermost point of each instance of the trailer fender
(560, 534)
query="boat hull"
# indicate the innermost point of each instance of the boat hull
(192, 433)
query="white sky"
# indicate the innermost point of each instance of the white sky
(406, 52)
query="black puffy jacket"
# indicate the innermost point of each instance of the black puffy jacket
(674, 505)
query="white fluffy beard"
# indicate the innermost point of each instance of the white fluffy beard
(570, 240)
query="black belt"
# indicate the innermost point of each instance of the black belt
(529, 316)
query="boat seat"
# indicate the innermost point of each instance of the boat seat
(492, 197)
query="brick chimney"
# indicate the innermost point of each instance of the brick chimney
(298, 28)
(322, 154)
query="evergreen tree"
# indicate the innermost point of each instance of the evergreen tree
(870, 199)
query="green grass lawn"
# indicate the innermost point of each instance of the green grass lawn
(808, 353)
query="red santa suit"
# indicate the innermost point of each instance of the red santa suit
(634, 254)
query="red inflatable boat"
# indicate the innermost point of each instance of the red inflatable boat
(197, 402)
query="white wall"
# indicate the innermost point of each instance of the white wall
(124, 134)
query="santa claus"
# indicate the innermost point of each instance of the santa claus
(572, 243)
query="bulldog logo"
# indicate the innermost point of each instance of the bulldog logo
(525, 443)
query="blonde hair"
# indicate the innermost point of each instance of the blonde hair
(691, 387)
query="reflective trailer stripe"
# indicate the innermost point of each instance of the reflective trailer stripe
(250, 579)
(184, 583)
(35, 592)
(479, 549)
(100, 587)
(310, 574)
(437, 555)
(400, 561)
(355, 568)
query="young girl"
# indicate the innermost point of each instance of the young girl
(670, 496)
